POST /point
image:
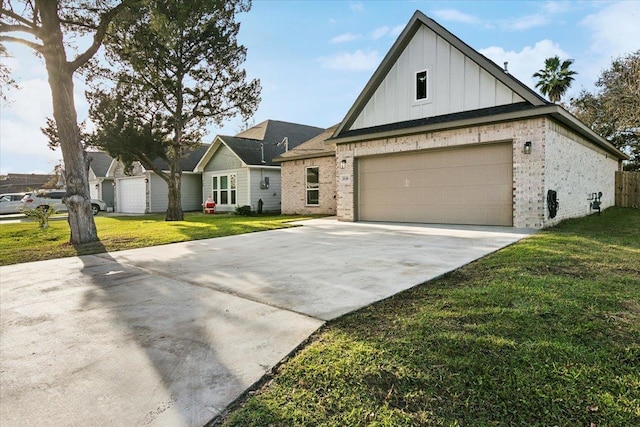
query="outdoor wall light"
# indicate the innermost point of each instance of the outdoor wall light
(527, 147)
(146, 180)
(343, 163)
(113, 183)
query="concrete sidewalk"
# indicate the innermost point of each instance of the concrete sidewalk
(170, 335)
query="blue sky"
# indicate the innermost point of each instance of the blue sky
(314, 57)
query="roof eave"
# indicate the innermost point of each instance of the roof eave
(263, 167)
(552, 110)
(570, 120)
(418, 19)
(305, 156)
(392, 55)
(208, 155)
(111, 171)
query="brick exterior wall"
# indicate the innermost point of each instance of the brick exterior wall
(529, 195)
(294, 186)
(576, 169)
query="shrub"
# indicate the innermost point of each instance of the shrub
(40, 214)
(243, 210)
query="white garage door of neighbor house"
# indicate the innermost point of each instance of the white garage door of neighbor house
(470, 185)
(132, 195)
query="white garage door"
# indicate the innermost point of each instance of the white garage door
(470, 185)
(132, 195)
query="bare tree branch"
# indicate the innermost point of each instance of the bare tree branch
(6, 28)
(32, 45)
(105, 20)
(11, 14)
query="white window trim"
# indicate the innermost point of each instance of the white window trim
(415, 87)
(307, 189)
(228, 175)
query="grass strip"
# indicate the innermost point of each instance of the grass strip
(25, 242)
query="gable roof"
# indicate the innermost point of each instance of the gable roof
(415, 23)
(315, 147)
(533, 106)
(102, 163)
(266, 137)
(276, 131)
(99, 162)
(187, 163)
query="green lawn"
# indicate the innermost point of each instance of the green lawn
(545, 332)
(25, 242)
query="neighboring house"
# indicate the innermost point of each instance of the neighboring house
(101, 186)
(240, 171)
(309, 177)
(21, 182)
(441, 134)
(146, 192)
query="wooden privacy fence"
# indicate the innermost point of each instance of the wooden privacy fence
(628, 189)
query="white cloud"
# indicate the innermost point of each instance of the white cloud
(615, 29)
(356, 61)
(31, 102)
(614, 32)
(356, 6)
(346, 37)
(526, 22)
(22, 119)
(395, 31)
(455, 15)
(379, 32)
(524, 63)
(556, 7)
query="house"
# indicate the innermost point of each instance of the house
(240, 170)
(309, 176)
(441, 134)
(101, 186)
(21, 182)
(144, 191)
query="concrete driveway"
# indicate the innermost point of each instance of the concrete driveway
(170, 335)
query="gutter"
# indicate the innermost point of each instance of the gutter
(553, 110)
(304, 156)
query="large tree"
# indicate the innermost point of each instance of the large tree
(175, 67)
(555, 78)
(613, 110)
(6, 81)
(42, 25)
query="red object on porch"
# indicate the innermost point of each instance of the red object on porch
(210, 207)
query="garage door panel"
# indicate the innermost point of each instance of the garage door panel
(132, 195)
(472, 185)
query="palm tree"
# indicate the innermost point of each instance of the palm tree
(555, 78)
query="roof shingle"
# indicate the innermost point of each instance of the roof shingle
(318, 146)
(268, 136)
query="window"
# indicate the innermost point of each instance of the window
(313, 186)
(223, 189)
(422, 80)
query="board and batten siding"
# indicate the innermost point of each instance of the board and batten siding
(455, 83)
(242, 195)
(190, 193)
(270, 196)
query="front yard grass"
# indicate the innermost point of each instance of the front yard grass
(545, 332)
(24, 242)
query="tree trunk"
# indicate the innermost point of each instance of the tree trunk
(174, 209)
(78, 199)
